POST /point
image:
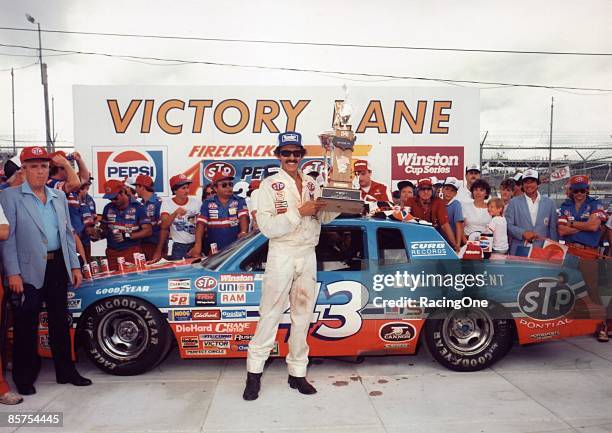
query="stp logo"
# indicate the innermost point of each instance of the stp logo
(127, 163)
(219, 167)
(205, 283)
(546, 298)
(317, 165)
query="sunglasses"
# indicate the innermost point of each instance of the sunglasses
(579, 191)
(295, 153)
(119, 194)
(225, 184)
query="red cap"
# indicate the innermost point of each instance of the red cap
(361, 165)
(426, 182)
(33, 152)
(178, 180)
(112, 188)
(254, 184)
(144, 180)
(579, 181)
(220, 176)
(58, 152)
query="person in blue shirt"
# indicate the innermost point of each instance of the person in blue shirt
(453, 207)
(579, 224)
(152, 204)
(124, 223)
(223, 218)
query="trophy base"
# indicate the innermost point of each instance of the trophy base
(343, 200)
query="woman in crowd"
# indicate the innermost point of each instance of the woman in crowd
(476, 214)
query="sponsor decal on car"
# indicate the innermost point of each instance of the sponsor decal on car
(211, 351)
(179, 284)
(215, 337)
(180, 299)
(206, 314)
(240, 337)
(545, 335)
(537, 324)
(180, 315)
(206, 299)
(546, 298)
(428, 249)
(233, 314)
(236, 287)
(125, 288)
(241, 347)
(397, 332)
(190, 342)
(214, 343)
(233, 298)
(205, 283)
(236, 278)
(74, 304)
(220, 327)
(396, 345)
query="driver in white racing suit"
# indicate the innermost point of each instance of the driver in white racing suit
(289, 215)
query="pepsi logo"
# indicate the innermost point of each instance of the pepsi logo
(205, 283)
(219, 167)
(121, 164)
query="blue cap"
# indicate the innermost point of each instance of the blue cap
(289, 137)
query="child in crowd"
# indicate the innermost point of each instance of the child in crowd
(498, 226)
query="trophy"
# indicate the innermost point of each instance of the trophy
(338, 144)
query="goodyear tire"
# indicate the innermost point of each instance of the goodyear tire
(124, 335)
(469, 339)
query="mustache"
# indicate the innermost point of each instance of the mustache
(292, 160)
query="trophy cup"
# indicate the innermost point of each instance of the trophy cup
(338, 144)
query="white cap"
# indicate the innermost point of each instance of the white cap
(453, 181)
(436, 181)
(530, 173)
(474, 167)
(518, 177)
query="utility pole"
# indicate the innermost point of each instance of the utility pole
(552, 106)
(53, 119)
(13, 108)
(43, 79)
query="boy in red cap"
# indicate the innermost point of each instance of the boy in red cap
(370, 189)
(124, 224)
(178, 218)
(223, 218)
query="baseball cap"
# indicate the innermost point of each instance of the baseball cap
(472, 167)
(180, 180)
(530, 173)
(424, 183)
(33, 152)
(454, 182)
(518, 177)
(403, 184)
(220, 176)
(579, 181)
(143, 180)
(112, 188)
(289, 137)
(361, 165)
(436, 181)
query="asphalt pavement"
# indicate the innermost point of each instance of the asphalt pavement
(560, 387)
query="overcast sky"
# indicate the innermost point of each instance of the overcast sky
(552, 25)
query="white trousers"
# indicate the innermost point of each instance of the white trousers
(290, 276)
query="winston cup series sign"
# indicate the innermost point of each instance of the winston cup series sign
(160, 131)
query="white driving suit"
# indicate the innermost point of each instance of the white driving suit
(291, 268)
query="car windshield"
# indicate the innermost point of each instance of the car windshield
(213, 262)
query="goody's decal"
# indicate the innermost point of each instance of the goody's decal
(245, 170)
(119, 164)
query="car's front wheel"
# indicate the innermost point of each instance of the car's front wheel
(469, 339)
(125, 336)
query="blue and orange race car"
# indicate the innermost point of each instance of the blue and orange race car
(383, 288)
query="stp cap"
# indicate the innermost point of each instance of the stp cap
(220, 176)
(472, 167)
(289, 137)
(112, 188)
(33, 152)
(179, 180)
(530, 173)
(424, 183)
(144, 180)
(454, 182)
(579, 181)
(361, 165)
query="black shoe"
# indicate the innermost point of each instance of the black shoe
(26, 389)
(76, 379)
(253, 384)
(301, 384)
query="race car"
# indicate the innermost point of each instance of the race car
(384, 287)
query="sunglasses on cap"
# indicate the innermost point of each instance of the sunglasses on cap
(296, 153)
(226, 184)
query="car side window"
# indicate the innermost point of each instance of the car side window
(256, 261)
(391, 246)
(341, 249)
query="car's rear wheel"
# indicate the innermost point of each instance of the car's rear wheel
(469, 339)
(125, 336)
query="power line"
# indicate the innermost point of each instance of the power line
(317, 71)
(315, 44)
(18, 67)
